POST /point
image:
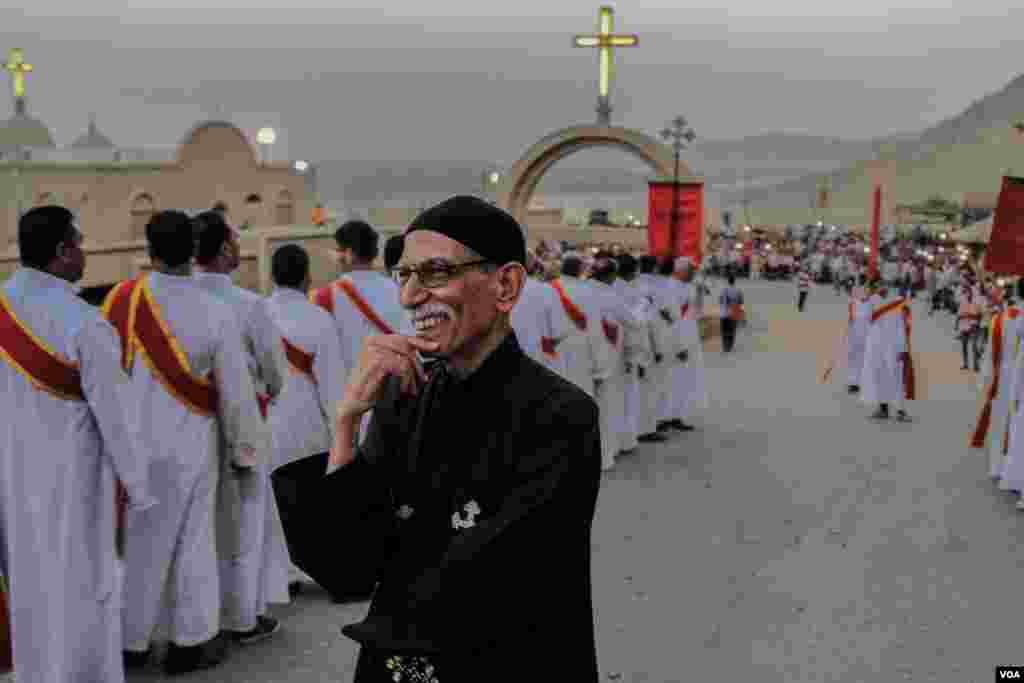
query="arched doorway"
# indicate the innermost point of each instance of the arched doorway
(519, 184)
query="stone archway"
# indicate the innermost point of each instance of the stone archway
(518, 185)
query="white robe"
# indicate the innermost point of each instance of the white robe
(1000, 421)
(670, 340)
(1013, 466)
(856, 339)
(586, 356)
(172, 576)
(688, 386)
(615, 431)
(58, 463)
(256, 572)
(538, 313)
(382, 295)
(302, 419)
(638, 353)
(882, 379)
(650, 386)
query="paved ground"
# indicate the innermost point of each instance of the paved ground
(788, 539)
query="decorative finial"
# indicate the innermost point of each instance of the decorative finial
(18, 67)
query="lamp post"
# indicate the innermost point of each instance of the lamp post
(489, 180)
(266, 137)
(679, 135)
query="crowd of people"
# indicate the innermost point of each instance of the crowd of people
(191, 436)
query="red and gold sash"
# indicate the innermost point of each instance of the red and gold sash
(323, 298)
(263, 401)
(298, 360)
(136, 317)
(611, 332)
(985, 418)
(578, 317)
(345, 285)
(887, 308)
(548, 346)
(849, 307)
(683, 310)
(35, 360)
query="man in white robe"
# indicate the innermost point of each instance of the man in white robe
(363, 300)
(587, 359)
(172, 575)
(664, 344)
(992, 430)
(858, 321)
(886, 355)
(255, 572)
(302, 427)
(538, 320)
(621, 329)
(65, 448)
(639, 348)
(690, 382)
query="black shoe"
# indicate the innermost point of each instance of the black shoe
(181, 660)
(681, 426)
(294, 588)
(136, 660)
(265, 627)
(879, 415)
(853, 389)
(664, 426)
(652, 438)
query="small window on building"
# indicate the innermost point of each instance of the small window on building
(254, 199)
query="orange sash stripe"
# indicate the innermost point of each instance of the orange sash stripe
(299, 360)
(117, 309)
(364, 307)
(849, 307)
(578, 317)
(35, 360)
(985, 418)
(141, 326)
(882, 310)
(322, 298)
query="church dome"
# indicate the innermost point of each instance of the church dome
(92, 138)
(21, 130)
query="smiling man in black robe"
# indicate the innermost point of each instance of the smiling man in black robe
(491, 464)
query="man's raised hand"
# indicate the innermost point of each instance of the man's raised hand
(381, 356)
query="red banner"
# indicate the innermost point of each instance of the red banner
(1005, 253)
(876, 222)
(689, 232)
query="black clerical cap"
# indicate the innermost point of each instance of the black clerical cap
(476, 224)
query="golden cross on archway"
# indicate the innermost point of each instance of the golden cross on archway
(604, 40)
(18, 67)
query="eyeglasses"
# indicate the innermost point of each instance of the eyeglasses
(433, 273)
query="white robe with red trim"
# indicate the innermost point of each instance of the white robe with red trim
(172, 576)
(255, 572)
(538, 314)
(58, 462)
(587, 357)
(1013, 466)
(882, 378)
(1000, 424)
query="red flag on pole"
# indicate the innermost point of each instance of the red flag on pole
(876, 222)
(1005, 253)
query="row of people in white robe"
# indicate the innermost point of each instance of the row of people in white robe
(635, 373)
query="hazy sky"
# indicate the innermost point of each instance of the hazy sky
(451, 80)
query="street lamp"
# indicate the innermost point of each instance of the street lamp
(310, 172)
(266, 137)
(680, 135)
(489, 179)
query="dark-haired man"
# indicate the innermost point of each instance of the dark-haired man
(302, 428)
(194, 404)
(496, 458)
(393, 251)
(251, 544)
(362, 300)
(67, 442)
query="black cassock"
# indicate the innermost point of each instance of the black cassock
(492, 484)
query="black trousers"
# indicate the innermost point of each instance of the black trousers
(974, 341)
(801, 300)
(320, 513)
(728, 334)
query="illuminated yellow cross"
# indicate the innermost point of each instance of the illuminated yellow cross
(604, 40)
(18, 68)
